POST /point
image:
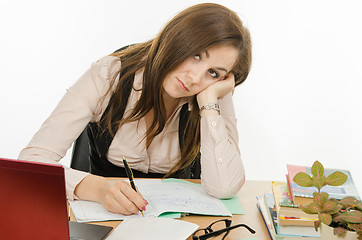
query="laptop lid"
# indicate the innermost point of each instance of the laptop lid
(33, 204)
(33, 201)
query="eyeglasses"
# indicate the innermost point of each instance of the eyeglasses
(217, 228)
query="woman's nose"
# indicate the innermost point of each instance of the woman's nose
(195, 75)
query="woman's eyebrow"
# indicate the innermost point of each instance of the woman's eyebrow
(219, 68)
(207, 54)
(222, 69)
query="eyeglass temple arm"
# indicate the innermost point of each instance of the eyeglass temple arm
(216, 233)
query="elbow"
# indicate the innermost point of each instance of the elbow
(232, 189)
(226, 189)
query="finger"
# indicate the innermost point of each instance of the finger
(135, 197)
(125, 196)
(112, 205)
(115, 194)
(141, 196)
(139, 193)
(229, 76)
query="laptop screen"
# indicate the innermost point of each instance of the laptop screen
(33, 201)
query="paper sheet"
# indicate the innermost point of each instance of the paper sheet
(162, 197)
(152, 229)
(181, 197)
(232, 204)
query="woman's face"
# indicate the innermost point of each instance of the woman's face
(198, 72)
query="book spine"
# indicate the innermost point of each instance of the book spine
(268, 226)
(290, 189)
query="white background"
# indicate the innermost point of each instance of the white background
(301, 102)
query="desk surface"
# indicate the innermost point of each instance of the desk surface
(252, 217)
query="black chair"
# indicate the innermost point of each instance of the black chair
(80, 158)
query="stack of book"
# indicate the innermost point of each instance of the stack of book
(280, 209)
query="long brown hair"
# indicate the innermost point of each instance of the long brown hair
(188, 33)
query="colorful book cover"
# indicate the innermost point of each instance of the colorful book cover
(269, 202)
(265, 205)
(277, 193)
(285, 198)
(296, 221)
(290, 214)
(338, 192)
(267, 221)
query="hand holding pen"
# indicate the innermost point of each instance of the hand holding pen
(115, 194)
(130, 177)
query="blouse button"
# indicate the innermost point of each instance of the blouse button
(213, 124)
(220, 160)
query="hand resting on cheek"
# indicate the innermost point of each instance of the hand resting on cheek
(216, 90)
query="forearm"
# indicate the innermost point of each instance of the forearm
(222, 171)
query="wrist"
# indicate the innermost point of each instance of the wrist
(90, 188)
(210, 109)
(203, 99)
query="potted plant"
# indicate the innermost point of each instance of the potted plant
(344, 215)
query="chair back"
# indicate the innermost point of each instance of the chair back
(80, 155)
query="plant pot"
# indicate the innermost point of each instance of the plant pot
(327, 234)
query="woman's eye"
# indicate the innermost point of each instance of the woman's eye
(197, 57)
(213, 74)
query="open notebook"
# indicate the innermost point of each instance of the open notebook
(34, 205)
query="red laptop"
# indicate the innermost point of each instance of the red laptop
(33, 204)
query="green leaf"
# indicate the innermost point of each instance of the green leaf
(336, 179)
(339, 231)
(359, 206)
(317, 169)
(320, 198)
(355, 226)
(319, 182)
(305, 209)
(349, 201)
(311, 208)
(352, 217)
(325, 218)
(337, 218)
(331, 207)
(303, 179)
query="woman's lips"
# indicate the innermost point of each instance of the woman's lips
(182, 85)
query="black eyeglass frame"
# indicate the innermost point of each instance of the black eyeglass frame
(210, 233)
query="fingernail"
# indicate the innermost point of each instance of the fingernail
(144, 208)
(145, 201)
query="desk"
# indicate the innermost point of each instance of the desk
(252, 217)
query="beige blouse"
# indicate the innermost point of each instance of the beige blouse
(222, 171)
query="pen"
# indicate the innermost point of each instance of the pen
(130, 176)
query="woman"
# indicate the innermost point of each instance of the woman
(133, 101)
